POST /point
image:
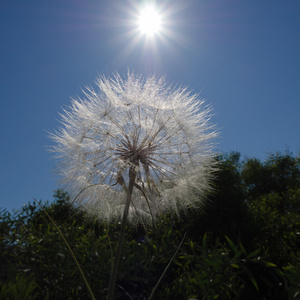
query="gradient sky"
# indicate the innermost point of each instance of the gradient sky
(242, 56)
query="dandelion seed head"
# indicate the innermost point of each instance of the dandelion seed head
(163, 133)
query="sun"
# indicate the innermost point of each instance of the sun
(149, 21)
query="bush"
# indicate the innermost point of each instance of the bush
(245, 246)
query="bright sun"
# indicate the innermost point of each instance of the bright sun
(149, 21)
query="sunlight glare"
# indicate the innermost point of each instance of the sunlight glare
(149, 21)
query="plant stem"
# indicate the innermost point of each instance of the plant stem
(72, 253)
(113, 276)
(166, 269)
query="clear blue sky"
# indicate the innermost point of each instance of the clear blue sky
(242, 56)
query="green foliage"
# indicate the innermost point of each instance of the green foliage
(279, 173)
(273, 194)
(245, 246)
(226, 212)
(278, 232)
(224, 271)
(34, 246)
(19, 288)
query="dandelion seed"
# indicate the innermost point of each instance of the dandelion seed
(158, 133)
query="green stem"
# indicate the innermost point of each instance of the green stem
(113, 276)
(166, 269)
(72, 253)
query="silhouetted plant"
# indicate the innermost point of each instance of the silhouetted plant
(134, 150)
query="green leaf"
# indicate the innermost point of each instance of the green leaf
(254, 282)
(231, 244)
(269, 264)
(253, 254)
(252, 278)
(235, 266)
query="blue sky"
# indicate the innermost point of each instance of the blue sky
(242, 56)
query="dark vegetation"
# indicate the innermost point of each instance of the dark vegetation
(245, 245)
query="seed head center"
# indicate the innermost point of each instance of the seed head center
(134, 153)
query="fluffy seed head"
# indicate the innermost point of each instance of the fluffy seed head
(162, 133)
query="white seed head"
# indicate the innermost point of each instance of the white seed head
(160, 131)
